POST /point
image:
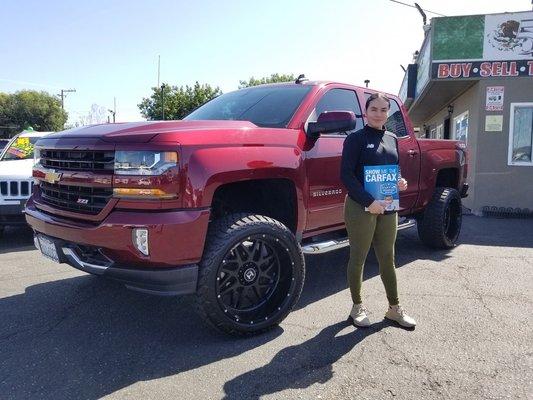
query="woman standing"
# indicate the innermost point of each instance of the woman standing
(372, 145)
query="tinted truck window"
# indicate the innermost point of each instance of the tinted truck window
(395, 122)
(338, 100)
(269, 106)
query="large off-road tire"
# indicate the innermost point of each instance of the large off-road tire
(440, 224)
(251, 274)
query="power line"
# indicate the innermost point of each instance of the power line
(62, 95)
(409, 5)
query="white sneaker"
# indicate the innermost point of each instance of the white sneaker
(359, 316)
(398, 314)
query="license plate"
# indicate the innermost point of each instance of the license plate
(48, 248)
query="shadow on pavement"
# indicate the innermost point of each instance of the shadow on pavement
(85, 338)
(501, 232)
(302, 365)
(16, 238)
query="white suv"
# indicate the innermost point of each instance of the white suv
(16, 163)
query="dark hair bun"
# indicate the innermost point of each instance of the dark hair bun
(374, 96)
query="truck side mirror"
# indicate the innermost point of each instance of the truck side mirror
(331, 121)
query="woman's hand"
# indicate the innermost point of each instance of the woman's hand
(402, 184)
(376, 208)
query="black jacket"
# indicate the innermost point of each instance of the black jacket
(367, 146)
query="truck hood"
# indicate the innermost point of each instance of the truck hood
(16, 169)
(143, 132)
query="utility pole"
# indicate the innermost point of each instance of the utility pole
(366, 82)
(162, 88)
(158, 69)
(163, 101)
(62, 95)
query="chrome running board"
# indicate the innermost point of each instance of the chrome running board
(324, 247)
(336, 244)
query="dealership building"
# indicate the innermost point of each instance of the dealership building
(472, 80)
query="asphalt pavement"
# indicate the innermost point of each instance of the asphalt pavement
(68, 335)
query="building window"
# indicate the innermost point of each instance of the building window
(521, 134)
(440, 132)
(460, 127)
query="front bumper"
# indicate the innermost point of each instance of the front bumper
(176, 237)
(160, 281)
(12, 214)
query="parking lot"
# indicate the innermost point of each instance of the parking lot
(67, 335)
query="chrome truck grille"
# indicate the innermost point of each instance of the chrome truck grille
(78, 160)
(88, 200)
(70, 197)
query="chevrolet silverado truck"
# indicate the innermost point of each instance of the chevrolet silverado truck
(225, 203)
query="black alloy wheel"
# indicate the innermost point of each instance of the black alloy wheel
(439, 225)
(251, 275)
(452, 220)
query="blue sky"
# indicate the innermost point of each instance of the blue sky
(107, 49)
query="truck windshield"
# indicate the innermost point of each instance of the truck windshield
(20, 149)
(265, 106)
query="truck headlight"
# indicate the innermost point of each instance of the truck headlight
(36, 155)
(144, 162)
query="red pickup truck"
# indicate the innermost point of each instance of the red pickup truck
(225, 203)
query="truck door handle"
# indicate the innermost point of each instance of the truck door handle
(412, 152)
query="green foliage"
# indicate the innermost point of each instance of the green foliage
(178, 102)
(26, 108)
(274, 78)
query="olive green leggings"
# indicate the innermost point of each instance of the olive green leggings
(365, 229)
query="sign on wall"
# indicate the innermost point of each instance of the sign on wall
(483, 46)
(494, 98)
(493, 123)
(424, 64)
(508, 36)
(482, 69)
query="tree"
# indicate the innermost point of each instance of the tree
(97, 115)
(178, 102)
(274, 78)
(26, 108)
(4, 120)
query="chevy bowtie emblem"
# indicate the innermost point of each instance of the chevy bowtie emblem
(52, 177)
